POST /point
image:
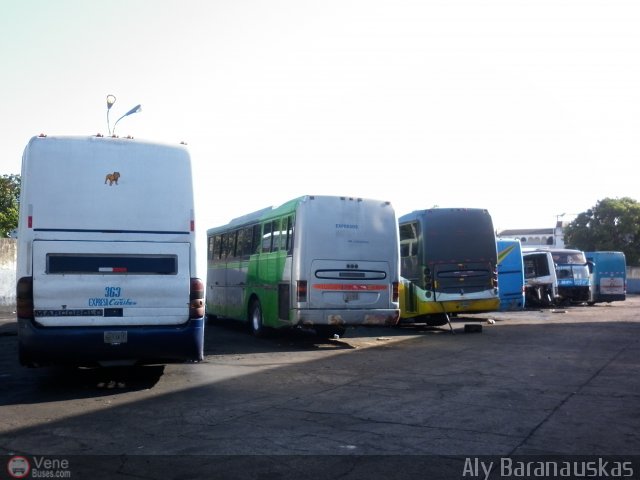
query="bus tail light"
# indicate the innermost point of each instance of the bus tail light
(196, 298)
(24, 298)
(301, 291)
(395, 292)
(427, 281)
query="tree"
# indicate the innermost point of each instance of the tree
(612, 224)
(9, 202)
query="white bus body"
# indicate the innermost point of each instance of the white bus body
(541, 281)
(106, 254)
(348, 250)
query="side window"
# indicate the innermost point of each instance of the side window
(267, 237)
(243, 247)
(256, 237)
(233, 250)
(289, 234)
(408, 240)
(217, 247)
(228, 245)
(210, 248)
(277, 235)
(224, 246)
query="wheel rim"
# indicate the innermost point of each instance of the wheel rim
(256, 321)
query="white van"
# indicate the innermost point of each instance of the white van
(106, 270)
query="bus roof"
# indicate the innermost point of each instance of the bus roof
(93, 183)
(550, 249)
(89, 139)
(273, 212)
(261, 214)
(439, 211)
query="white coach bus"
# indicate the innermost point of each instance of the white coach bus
(106, 270)
(318, 262)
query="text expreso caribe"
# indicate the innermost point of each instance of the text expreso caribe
(111, 298)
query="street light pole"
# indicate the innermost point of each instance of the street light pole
(555, 229)
(110, 101)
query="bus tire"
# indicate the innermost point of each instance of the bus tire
(256, 320)
(436, 320)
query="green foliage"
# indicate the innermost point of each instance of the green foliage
(9, 202)
(612, 224)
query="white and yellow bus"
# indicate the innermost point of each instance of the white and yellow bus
(448, 264)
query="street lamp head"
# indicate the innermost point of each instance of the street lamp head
(136, 109)
(111, 99)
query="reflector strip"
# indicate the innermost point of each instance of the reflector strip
(349, 287)
(112, 269)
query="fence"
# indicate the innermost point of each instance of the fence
(7, 273)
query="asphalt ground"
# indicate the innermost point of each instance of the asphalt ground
(410, 402)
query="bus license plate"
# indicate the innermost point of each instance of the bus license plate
(115, 338)
(350, 296)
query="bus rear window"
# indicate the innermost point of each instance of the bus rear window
(64, 263)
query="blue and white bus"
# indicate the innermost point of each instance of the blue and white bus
(608, 276)
(106, 270)
(510, 274)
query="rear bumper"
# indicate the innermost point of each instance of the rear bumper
(609, 297)
(338, 317)
(512, 302)
(574, 294)
(469, 305)
(86, 345)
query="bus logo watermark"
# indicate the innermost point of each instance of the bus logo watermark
(18, 467)
(39, 467)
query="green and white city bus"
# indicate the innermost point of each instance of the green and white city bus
(317, 262)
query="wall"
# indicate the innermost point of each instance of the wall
(633, 279)
(7, 273)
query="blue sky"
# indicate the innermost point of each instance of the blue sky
(530, 109)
